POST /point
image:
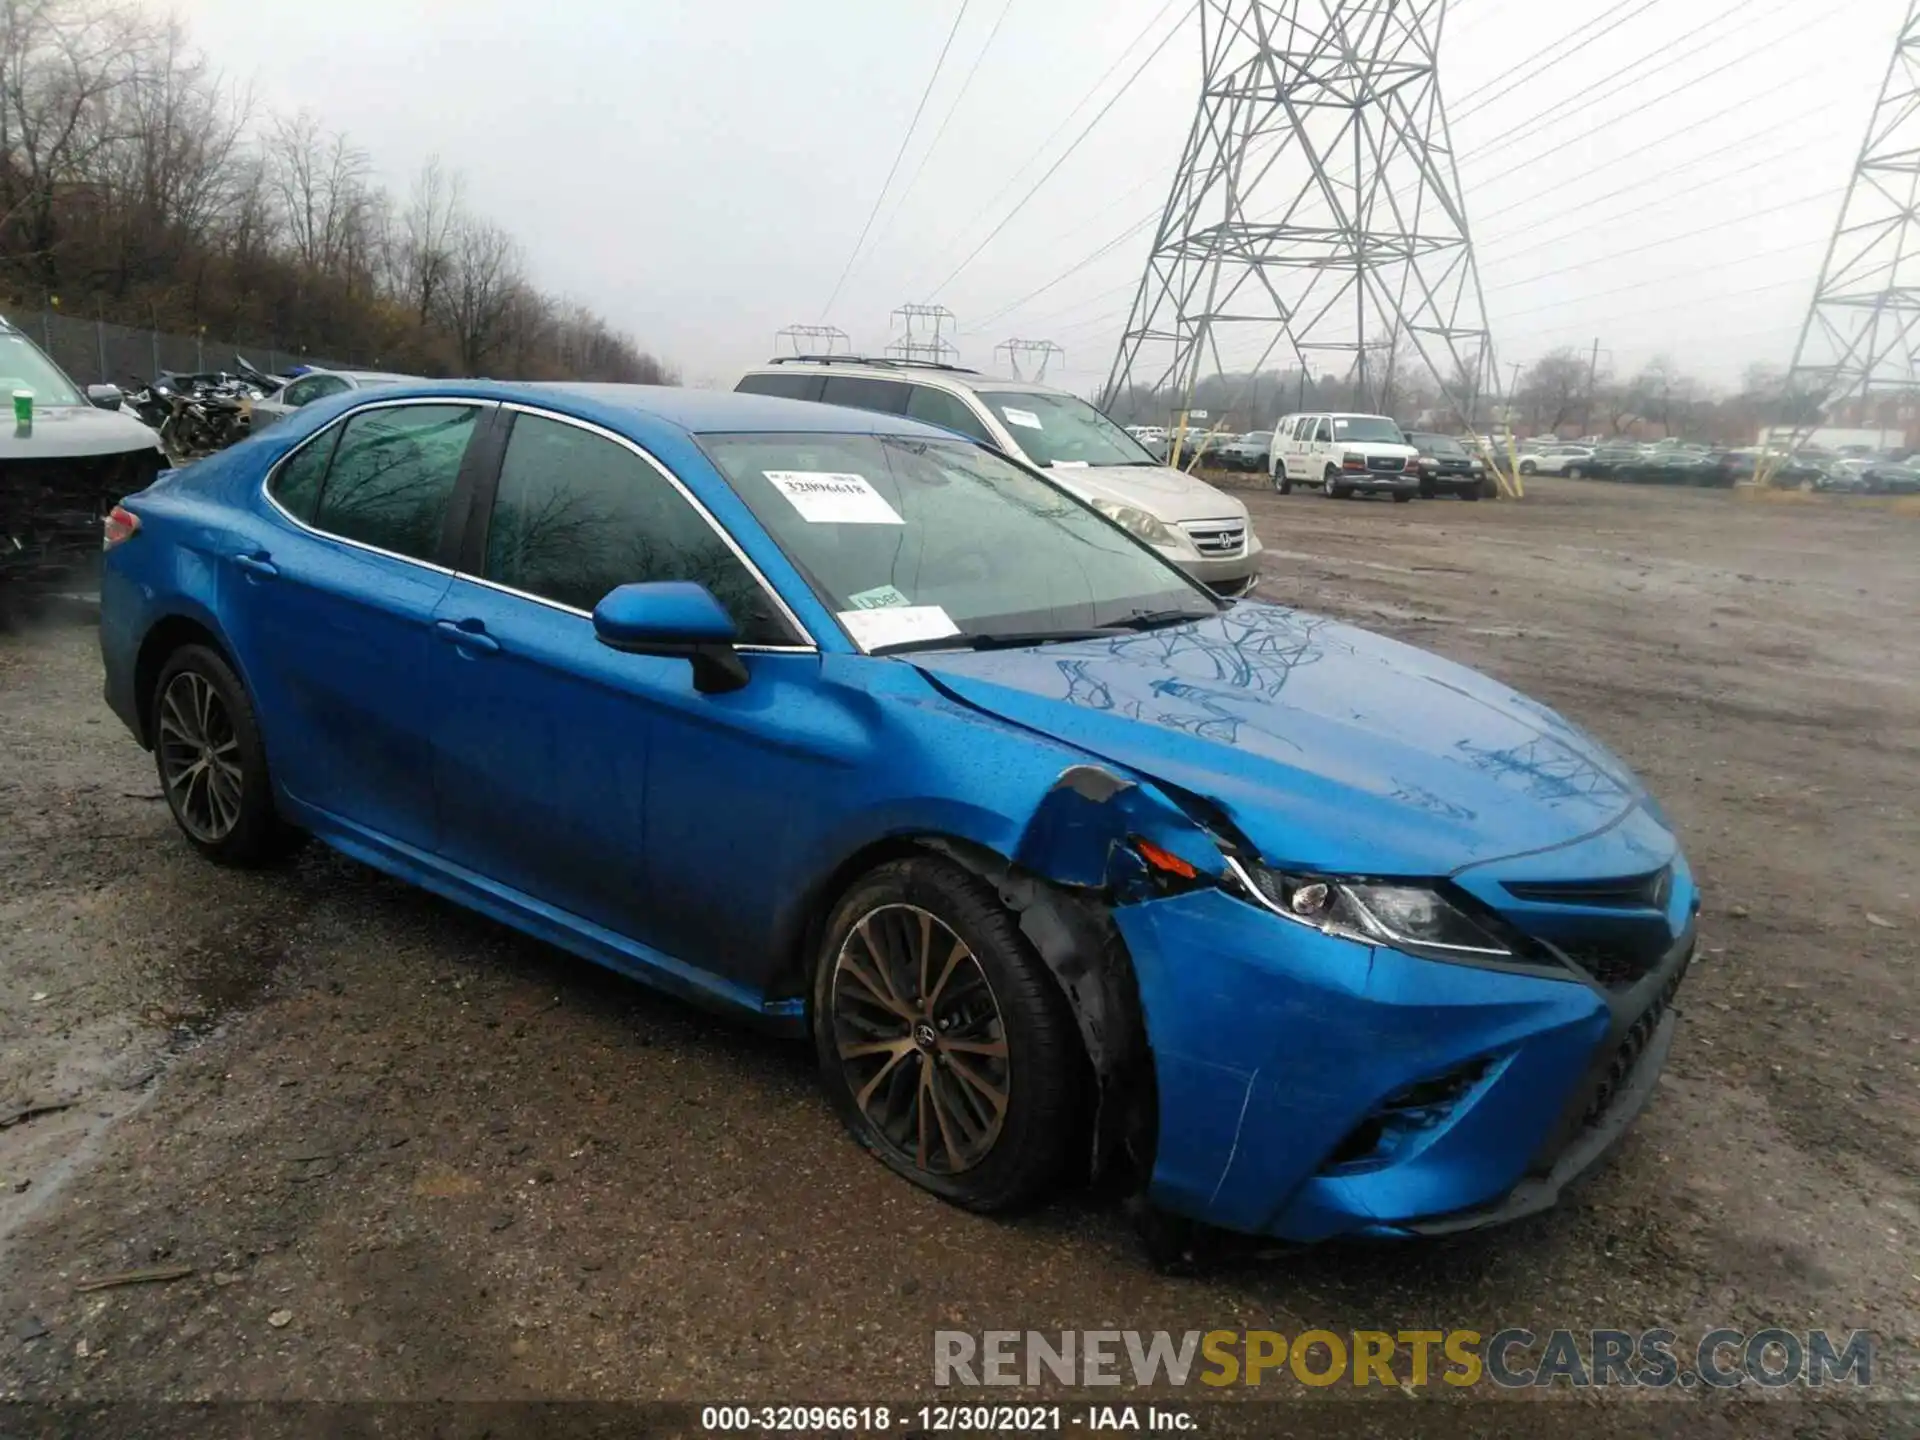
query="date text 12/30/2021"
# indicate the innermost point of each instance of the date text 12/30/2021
(942, 1419)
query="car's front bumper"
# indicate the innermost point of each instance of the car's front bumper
(1279, 1050)
(1377, 482)
(1230, 575)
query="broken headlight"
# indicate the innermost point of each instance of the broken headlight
(1412, 917)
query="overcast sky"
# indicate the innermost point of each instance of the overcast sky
(699, 171)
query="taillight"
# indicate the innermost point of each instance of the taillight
(120, 525)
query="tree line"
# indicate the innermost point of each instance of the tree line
(140, 185)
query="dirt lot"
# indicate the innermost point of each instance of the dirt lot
(409, 1155)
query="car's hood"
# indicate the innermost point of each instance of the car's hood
(1163, 492)
(1329, 747)
(63, 432)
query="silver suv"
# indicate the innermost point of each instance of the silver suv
(1204, 532)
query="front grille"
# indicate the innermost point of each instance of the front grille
(1632, 1046)
(1217, 539)
(1387, 464)
(1629, 892)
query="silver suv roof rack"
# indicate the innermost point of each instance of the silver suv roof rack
(883, 362)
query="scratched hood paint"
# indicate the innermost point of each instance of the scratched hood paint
(1327, 745)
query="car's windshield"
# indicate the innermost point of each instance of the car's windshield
(1257, 437)
(1063, 430)
(909, 540)
(1440, 445)
(23, 367)
(1367, 427)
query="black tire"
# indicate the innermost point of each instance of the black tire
(1527, 467)
(1427, 490)
(1474, 492)
(1574, 472)
(1401, 497)
(1282, 481)
(256, 835)
(1042, 1120)
(1328, 477)
(1338, 492)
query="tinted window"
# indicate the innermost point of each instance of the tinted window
(937, 407)
(791, 384)
(296, 484)
(889, 396)
(393, 474)
(577, 515)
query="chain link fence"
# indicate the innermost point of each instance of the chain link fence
(97, 352)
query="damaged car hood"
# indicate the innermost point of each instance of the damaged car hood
(1329, 747)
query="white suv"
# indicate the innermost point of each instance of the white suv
(1347, 454)
(1203, 531)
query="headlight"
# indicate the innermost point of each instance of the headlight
(1413, 918)
(1140, 524)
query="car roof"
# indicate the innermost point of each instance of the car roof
(907, 372)
(625, 408)
(393, 375)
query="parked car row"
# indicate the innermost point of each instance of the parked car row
(1348, 455)
(1682, 463)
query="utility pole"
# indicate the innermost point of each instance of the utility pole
(1046, 350)
(1859, 339)
(922, 335)
(1317, 201)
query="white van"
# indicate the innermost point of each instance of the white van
(1346, 454)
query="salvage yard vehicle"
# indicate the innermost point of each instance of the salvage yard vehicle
(1246, 452)
(1204, 531)
(318, 385)
(1445, 467)
(62, 467)
(847, 724)
(1553, 459)
(1347, 455)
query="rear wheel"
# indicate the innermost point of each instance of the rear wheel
(213, 767)
(945, 1044)
(1574, 472)
(1527, 467)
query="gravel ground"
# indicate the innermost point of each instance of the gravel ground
(409, 1155)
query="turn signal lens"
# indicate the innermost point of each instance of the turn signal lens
(1165, 860)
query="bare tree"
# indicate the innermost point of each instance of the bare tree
(482, 288)
(320, 181)
(1554, 388)
(427, 232)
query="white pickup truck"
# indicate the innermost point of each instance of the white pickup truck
(1347, 454)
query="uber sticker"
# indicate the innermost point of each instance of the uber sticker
(825, 498)
(878, 598)
(896, 624)
(1021, 417)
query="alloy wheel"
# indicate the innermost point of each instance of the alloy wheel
(922, 1045)
(199, 757)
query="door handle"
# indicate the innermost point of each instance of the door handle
(475, 639)
(258, 565)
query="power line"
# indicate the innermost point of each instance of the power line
(1041, 148)
(898, 156)
(1502, 84)
(933, 145)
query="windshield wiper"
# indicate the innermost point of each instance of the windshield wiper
(1155, 619)
(997, 640)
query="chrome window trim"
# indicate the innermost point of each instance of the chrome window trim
(809, 645)
(266, 483)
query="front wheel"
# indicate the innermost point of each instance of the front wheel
(1401, 497)
(945, 1044)
(1574, 472)
(1282, 481)
(1527, 467)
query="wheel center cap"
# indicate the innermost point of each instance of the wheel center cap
(925, 1036)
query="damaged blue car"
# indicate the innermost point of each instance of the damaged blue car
(846, 723)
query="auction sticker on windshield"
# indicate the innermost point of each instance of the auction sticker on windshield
(824, 497)
(1021, 417)
(897, 624)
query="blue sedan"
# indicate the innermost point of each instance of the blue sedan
(844, 723)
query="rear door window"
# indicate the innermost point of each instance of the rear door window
(860, 392)
(296, 484)
(393, 475)
(789, 384)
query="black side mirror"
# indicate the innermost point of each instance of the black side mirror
(105, 397)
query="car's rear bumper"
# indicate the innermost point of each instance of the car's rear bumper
(1297, 1075)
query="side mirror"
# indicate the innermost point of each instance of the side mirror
(676, 618)
(105, 397)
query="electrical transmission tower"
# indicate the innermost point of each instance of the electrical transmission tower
(1859, 340)
(922, 334)
(1044, 351)
(812, 339)
(1317, 205)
